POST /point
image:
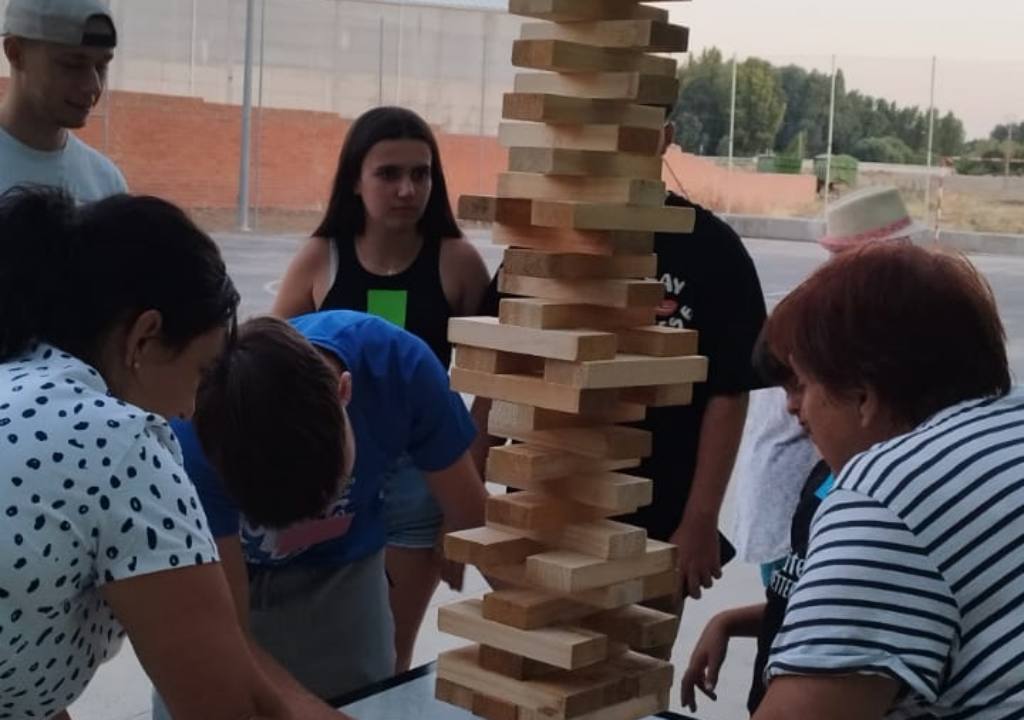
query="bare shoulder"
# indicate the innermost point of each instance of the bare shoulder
(459, 251)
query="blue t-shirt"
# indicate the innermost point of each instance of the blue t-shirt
(401, 405)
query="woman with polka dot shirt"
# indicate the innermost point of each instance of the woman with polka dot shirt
(109, 314)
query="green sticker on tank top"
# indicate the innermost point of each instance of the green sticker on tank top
(388, 304)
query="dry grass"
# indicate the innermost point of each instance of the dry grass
(270, 221)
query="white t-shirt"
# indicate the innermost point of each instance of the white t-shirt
(92, 491)
(773, 463)
(86, 174)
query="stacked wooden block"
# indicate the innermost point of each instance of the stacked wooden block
(570, 359)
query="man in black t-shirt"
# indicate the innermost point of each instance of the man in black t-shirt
(711, 286)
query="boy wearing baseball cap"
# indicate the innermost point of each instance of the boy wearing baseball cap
(59, 51)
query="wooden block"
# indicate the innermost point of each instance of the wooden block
(607, 442)
(514, 464)
(645, 675)
(449, 692)
(606, 138)
(533, 391)
(482, 208)
(531, 511)
(610, 597)
(481, 706)
(658, 341)
(570, 572)
(612, 243)
(531, 609)
(564, 647)
(634, 87)
(573, 266)
(570, 57)
(624, 191)
(496, 362)
(631, 709)
(563, 110)
(659, 395)
(561, 696)
(613, 293)
(660, 585)
(601, 538)
(487, 332)
(512, 665)
(609, 491)
(526, 418)
(554, 314)
(572, 10)
(639, 627)
(587, 163)
(487, 546)
(628, 371)
(589, 216)
(644, 35)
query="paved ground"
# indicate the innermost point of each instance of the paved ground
(121, 691)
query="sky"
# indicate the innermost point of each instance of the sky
(884, 47)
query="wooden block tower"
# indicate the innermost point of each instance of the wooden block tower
(570, 359)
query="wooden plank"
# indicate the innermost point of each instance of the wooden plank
(611, 243)
(561, 696)
(644, 35)
(587, 163)
(590, 216)
(613, 293)
(482, 208)
(564, 110)
(628, 371)
(574, 266)
(606, 539)
(487, 332)
(571, 10)
(487, 546)
(555, 314)
(531, 511)
(658, 341)
(631, 709)
(570, 572)
(660, 585)
(610, 597)
(531, 609)
(643, 673)
(526, 418)
(496, 362)
(512, 665)
(642, 628)
(571, 57)
(659, 395)
(564, 647)
(513, 464)
(633, 87)
(625, 191)
(533, 391)
(482, 706)
(613, 492)
(607, 442)
(606, 138)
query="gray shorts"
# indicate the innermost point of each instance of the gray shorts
(329, 626)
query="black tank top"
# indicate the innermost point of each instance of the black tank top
(413, 298)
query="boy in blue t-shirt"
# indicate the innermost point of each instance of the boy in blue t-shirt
(300, 422)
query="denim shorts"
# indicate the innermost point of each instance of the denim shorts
(412, 515)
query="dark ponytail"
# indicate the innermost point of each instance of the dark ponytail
(69, 275)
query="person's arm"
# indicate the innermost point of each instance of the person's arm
(464, 276)
(182, 625)
(304, 280)
(843, 697)
(298, 699)
(461, 495)
(697, 535)
(709, 653)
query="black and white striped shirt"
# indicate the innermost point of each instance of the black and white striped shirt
(916, 568)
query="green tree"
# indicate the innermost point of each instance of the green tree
(884, 150)
(950, 135)
(760, 107)
(704, 90)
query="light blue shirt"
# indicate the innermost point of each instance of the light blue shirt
(84, 173)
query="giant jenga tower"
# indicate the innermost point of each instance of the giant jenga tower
(570, 359)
